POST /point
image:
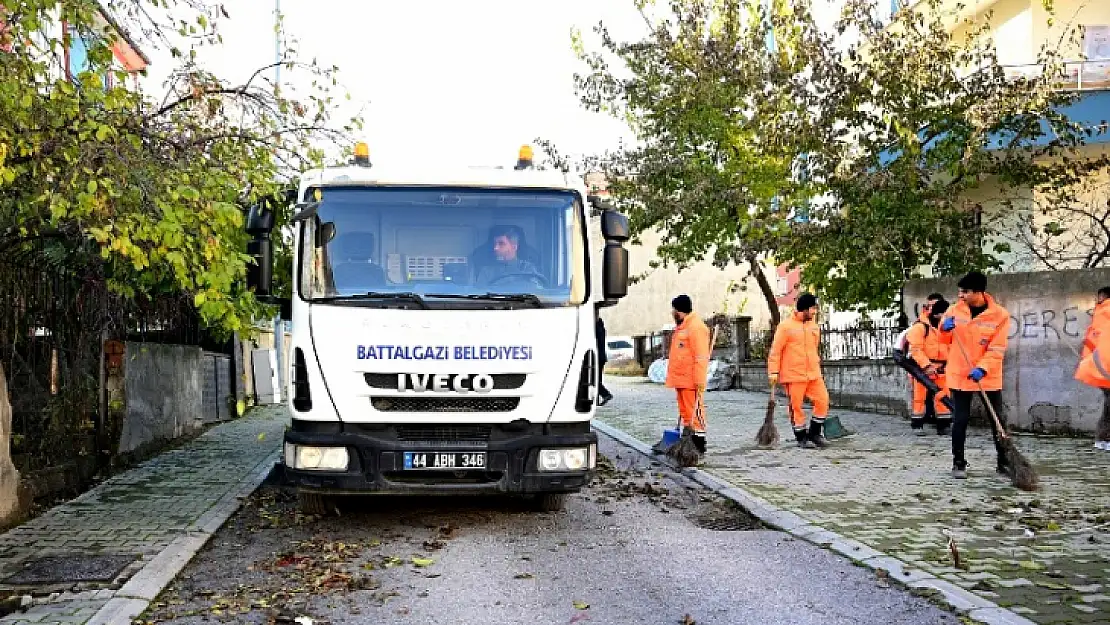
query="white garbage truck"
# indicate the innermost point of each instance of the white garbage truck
(443, 329)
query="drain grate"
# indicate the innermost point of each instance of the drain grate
(725, 523)
(78, 567)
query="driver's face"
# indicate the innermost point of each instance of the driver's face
(504, 248)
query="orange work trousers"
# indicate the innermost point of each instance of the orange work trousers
(920, 395)
(818, 395)
(691, 409)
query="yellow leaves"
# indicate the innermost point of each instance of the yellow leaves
(422, 562)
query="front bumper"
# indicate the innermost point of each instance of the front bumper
(376, 457)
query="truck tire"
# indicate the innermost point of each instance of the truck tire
(551, 502)
(314, 503)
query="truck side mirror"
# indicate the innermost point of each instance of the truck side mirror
(260, 274)
(614, 278)
(614, 226)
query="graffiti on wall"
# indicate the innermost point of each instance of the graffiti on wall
(1042, 321)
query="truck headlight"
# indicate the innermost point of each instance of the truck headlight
(316, 458)
(571, 459)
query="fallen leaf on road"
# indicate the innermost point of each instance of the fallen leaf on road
(688, 620)
(261, 436)
(422, 562)
(524, 576)
(581, 605)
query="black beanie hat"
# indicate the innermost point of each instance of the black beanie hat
(682, 304)
(973, 281)
(939, 307)
(806, 301)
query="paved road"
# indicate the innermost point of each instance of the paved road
(1043, 555)
(620, 553)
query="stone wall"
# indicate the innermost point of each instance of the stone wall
(1049, 314)
(867, 385)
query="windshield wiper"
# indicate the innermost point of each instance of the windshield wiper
(527, 298)
(408, 295)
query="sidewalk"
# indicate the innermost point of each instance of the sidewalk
(892, 491)
(114, 548)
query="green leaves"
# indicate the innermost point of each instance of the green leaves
(865, 166)
(152, 186)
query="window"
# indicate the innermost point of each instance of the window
(619, 345)
(77, 55)
(448, 245)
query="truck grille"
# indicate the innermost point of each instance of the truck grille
(501, 381)
(443, 433)
(445, 404)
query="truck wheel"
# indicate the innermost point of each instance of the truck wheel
(551, 502)
(314, 503)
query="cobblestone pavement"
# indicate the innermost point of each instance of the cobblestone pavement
(1044, 555)
(140, 513)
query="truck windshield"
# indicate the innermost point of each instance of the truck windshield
(443, 246)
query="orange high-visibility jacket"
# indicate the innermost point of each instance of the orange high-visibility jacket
(1094, 367)
(794, 355)
(1100, 323)
(925, 346)
(983, 340)
(688, 360)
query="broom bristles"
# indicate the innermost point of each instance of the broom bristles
(685, 451)
(1022, 473)
(768, 434)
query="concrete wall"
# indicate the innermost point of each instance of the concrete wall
(170, 391)
(866, 385)
(1049, 313)
(163, 390)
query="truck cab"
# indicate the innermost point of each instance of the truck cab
(443, 330)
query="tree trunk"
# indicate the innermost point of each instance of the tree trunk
(765, 288)
(9, 477)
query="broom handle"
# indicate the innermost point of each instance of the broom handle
(986, 400)
(712, 344)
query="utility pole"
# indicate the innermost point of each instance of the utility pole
(279, 325)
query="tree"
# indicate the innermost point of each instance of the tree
(155, 190)
(710, 170)
(855, 154)
(920, 109)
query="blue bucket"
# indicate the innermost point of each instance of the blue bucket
(671, 436)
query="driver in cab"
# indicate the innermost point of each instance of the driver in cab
(506, 243)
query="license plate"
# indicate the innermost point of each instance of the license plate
(450, 460)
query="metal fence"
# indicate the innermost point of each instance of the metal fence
(874, 341)
(56, 313)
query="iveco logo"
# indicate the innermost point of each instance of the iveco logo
(442, 382)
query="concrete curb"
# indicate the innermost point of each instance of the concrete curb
(960, 601)
(136, 595)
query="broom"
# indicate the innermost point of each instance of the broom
(685, 451)
(1022, 474)
(768, 434)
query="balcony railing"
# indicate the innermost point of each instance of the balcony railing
(1076, 75)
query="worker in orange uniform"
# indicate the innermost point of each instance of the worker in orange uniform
(977, 329)
(795, 363)
(926, 349)
(1092, 369)
(688, 367)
